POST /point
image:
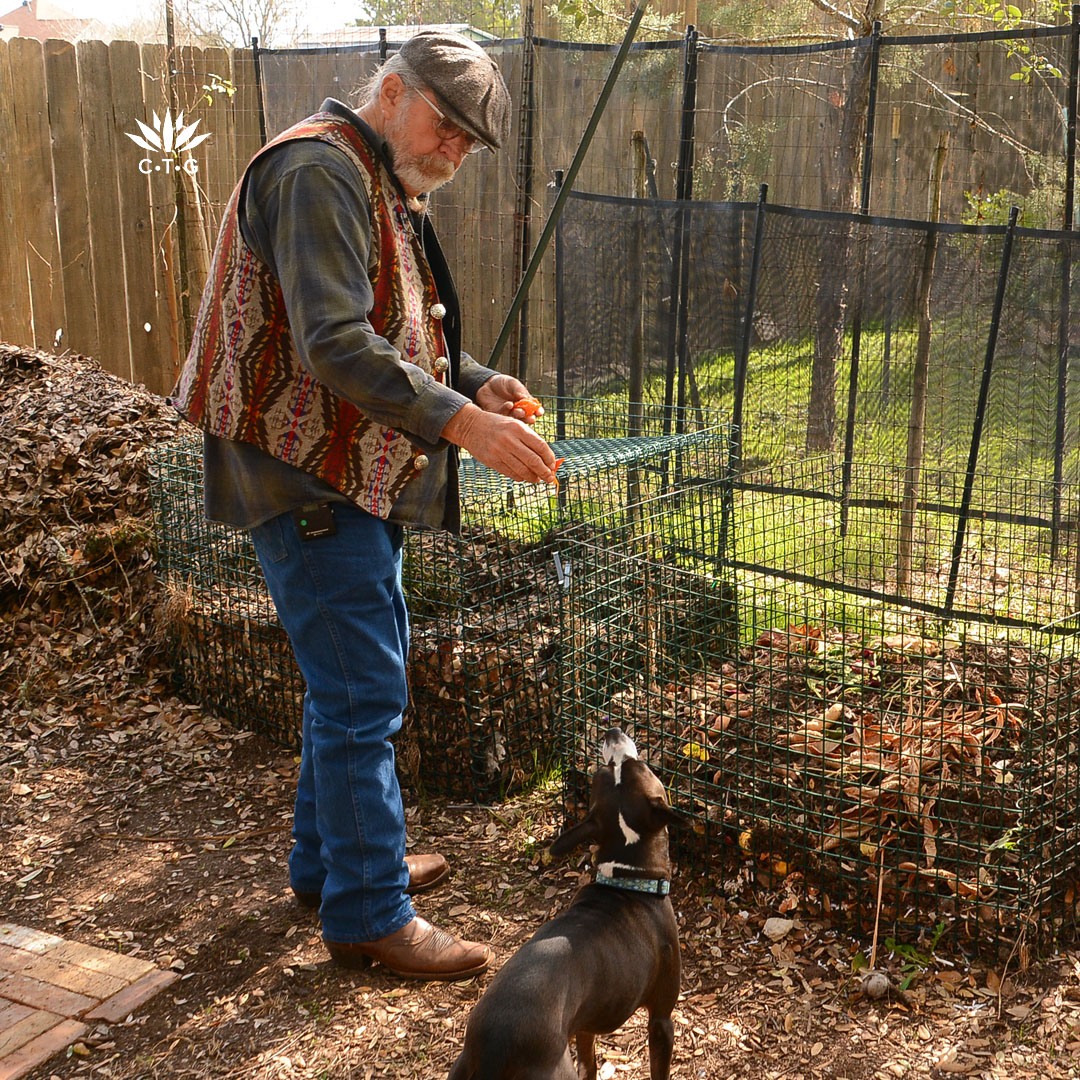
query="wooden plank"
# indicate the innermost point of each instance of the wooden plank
(245, 109)
(147, 334)
(194, 106)
(161, 378)
(220, 156)
(69, 181)
(103, 162)
(32, 135)
(16, 323)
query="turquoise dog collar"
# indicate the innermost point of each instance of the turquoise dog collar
(652, 886)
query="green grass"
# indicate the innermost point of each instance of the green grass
(1018, 427)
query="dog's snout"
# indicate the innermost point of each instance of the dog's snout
(617, 747)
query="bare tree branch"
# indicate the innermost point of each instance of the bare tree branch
(849, 21)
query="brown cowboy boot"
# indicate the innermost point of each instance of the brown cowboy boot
(417, 951)
(425, 872)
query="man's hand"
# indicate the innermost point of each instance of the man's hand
(502, 443)
(498, 395)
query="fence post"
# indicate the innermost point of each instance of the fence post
(886, 348)
(383, 45)
(560, 334)
(742, 356)
(684, 193)
(980, 408)
(856, 322)
(258, 88)
(523, 209)
(1066, 284)
(185, 329)
(560, 319)
(871, 113)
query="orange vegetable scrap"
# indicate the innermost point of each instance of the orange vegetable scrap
(558, 462)
(529, 406)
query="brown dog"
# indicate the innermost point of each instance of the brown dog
(613, 951)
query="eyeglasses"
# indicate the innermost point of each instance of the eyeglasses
(447, 130)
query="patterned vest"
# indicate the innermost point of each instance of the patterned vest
(243, 378)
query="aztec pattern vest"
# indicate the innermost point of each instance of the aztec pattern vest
(243, 378)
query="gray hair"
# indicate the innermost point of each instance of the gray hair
(367, 93)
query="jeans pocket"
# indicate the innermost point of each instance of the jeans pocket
(269, 539)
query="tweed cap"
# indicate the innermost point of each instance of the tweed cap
(466, 80)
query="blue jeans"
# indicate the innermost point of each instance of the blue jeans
(339, 598)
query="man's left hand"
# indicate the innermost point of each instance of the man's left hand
(498, 395)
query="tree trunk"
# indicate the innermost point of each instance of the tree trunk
(920, 384)
(836, 261)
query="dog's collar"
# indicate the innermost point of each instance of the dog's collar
(652, 886)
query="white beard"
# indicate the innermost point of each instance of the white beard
(421, 172)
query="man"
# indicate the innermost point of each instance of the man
(327, 375)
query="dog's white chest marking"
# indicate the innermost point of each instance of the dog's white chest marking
(629, 835)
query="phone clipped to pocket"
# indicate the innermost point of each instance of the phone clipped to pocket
(314, 520)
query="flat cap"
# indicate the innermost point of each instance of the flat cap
(466, 80)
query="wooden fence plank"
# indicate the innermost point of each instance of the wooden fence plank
(221, 149)
(190, 77)
(69, 181)
(161, 377)
(16, 323)
(148, 335)
(32, 135)
(245, 109)
(105, 157)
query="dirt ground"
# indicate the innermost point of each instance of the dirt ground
(140, 824)
(135, 821)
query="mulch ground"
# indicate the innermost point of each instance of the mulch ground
(136, 822)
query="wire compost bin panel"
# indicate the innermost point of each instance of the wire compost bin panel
(828, 746)
(484, 629)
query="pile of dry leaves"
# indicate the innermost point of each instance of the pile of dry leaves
(76, 534)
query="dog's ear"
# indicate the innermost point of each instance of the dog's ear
(585, 832)
(661, 813)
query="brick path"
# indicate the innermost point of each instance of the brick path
(49, 987)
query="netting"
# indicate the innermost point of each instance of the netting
(998, 542)
(484, 636)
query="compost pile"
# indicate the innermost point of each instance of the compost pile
(942, 769)
(76, 536)
(483, 641)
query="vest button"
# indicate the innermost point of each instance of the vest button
(438, 311)
(441, 364)
(421, 462)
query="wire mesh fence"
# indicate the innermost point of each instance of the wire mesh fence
(484, 634)
(828, 747)
(961, 497)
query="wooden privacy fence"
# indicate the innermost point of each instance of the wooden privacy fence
(89, 222)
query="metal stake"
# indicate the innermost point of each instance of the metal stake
(980, 409)
(258, 87)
